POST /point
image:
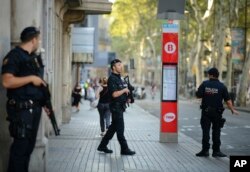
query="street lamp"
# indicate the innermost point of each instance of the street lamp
(227, 48)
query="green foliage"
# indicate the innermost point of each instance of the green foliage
(132, 21)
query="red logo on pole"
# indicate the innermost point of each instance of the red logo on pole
(169, 117)
(170, 48)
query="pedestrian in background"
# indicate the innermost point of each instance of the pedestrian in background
(118, 93)
(86, 85)
(23, 80)
(103, 105)
(91, 93)
(213, 92)
(153, 90)
(76, 95)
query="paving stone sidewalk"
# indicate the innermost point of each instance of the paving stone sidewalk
(75, 149)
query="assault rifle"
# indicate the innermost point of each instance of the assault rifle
(47, 103)
(131, 89)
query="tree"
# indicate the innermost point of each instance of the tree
(197, 11)
(245, 77)
(134, 29)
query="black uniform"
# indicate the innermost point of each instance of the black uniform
(212, 93)
(117, 107)
(23, 108)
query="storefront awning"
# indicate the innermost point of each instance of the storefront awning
(94, 6)
(82, 58)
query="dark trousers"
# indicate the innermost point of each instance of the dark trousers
(22, 148)
(104, 112)
(207, 119)
(117, 126)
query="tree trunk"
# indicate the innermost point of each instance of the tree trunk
(241, 97)
(198, 69)
(221, 35)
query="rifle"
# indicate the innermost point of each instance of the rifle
(131, 89)
(47, 103)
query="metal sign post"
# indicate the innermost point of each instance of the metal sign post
(169, 97)
(172, 11)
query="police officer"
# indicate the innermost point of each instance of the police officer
(22, 81)
(213, 92)
(118, 93)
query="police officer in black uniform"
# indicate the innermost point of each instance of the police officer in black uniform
(213, 92)
(23, 81)
(118, 92)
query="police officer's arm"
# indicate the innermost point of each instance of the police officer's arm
(114, 88)
(231, 107)
(10, 81)
(119, 93)
(200, 91)
(10, 69)
(228, 101)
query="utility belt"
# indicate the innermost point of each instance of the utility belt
(118, 105)
(219, 110)
(20, 116)
(23, 104)
(211, 111)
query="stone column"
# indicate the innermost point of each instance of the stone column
(5, 139)
(29, 13)
(66, 81)
(68, 18)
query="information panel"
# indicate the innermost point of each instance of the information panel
(169, 86)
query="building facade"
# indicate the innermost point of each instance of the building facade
(55, 19)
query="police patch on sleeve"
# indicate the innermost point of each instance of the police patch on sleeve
(5, 61)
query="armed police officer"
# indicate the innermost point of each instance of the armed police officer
(213, 92)
(118, 92)
(22, 81)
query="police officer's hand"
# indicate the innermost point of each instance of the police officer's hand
(234, 112)
(46, 110)
(126, 90)
(37, 81)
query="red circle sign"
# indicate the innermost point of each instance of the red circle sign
(170, 47)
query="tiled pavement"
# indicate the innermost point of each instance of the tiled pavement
(75, 149)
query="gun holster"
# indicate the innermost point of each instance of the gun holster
(220, 110)
(20, 121)
(222, 122)
(18, 129)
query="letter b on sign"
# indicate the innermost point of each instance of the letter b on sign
(170, 48)
(239, 163)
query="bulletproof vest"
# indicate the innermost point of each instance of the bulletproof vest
(28, 65)
(212, 94)
(121, 85)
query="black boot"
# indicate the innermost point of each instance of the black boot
(104, 149)
(127, 152)
(218, 154)
(203, 153)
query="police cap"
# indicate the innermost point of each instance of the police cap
(214, 72)
(113, 62)
(29, 33)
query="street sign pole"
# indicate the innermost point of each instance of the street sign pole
(169, 92)
(171, 12)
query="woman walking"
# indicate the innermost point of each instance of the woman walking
(103, 105)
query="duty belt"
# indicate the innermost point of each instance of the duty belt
(219, 110)
(210, 109)
(26, 104)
